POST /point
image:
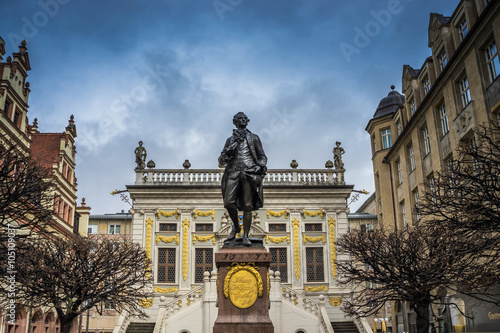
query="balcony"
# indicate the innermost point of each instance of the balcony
(274, 177)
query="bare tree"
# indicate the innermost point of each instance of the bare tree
(76, 274)
(463, 201)
(406, 266)
(26, 193)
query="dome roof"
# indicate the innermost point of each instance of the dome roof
(389, 104)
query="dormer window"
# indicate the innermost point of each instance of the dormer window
(465, 91)
(6, 107)
(427, 85)
(443, 60)
(463, 29)
(492, 62)
(413, 107)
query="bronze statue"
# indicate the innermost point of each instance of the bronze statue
(245, 162)
(337, 156)
(140, 156)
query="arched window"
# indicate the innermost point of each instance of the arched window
(50, 323)
(37, 324)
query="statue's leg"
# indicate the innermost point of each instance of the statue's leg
(232, 189)
(246, 192)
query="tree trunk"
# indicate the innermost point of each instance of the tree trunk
(65, 326)
(422, 311)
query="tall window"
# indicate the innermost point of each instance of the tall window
(443, 60)
(279, 262)
(444, 120)
(386, 138)
(464, 91)
(432, 187)
(425, 136)
(92, 229)
(463, 29)
(314, 258)
(427, 85)
(203, 263)
(6, 107)
(399, 127)
(403, 212)
(413, 107)
(416, 197)
(114, 229)
(400, 174)
(411, 157)
(166, 265)
(492, 62)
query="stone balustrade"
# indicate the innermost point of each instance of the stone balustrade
(214, 177)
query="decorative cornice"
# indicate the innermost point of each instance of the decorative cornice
(168, 214)
(197, 213)
(277, 240)
(316, 289)
(314, 239)
(169, 239)
(166, 291)
(277, 213)
(203, 238)
(313, 214)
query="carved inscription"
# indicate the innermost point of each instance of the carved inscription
(243, 289)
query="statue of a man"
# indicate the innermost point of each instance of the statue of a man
(245, 162)
(140, 156)
(337, 156)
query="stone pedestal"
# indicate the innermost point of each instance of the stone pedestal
(243, 290)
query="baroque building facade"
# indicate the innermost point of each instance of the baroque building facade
(415, 134)
(179, 218)
(53, 151)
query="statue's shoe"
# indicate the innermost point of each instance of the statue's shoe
(232, 234)
(246, 241)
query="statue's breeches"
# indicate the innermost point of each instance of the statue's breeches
(239, 192)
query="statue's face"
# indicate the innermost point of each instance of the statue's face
(241, 121)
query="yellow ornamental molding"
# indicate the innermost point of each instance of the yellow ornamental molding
(333, 252)
(149, 235)
(296, 250)
(314, 239)
(166, 291)
(313, 214)
(277, 214)
(277, 240)
(335, 301)
(185, 249)
(203, 238)
(165, 239)
(146, 303)
(315, 289)
(168, 214)
(197, 213)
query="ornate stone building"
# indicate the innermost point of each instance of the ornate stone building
(414, 134)
(179, 218)
(54, 151)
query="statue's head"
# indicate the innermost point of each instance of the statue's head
(240, 120)
(140, 143)
(338, 143)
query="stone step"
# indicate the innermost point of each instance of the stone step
(141, 328)
(344, 327)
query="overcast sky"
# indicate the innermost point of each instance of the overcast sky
(173, 74)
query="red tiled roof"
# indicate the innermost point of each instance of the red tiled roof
(45, 147)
